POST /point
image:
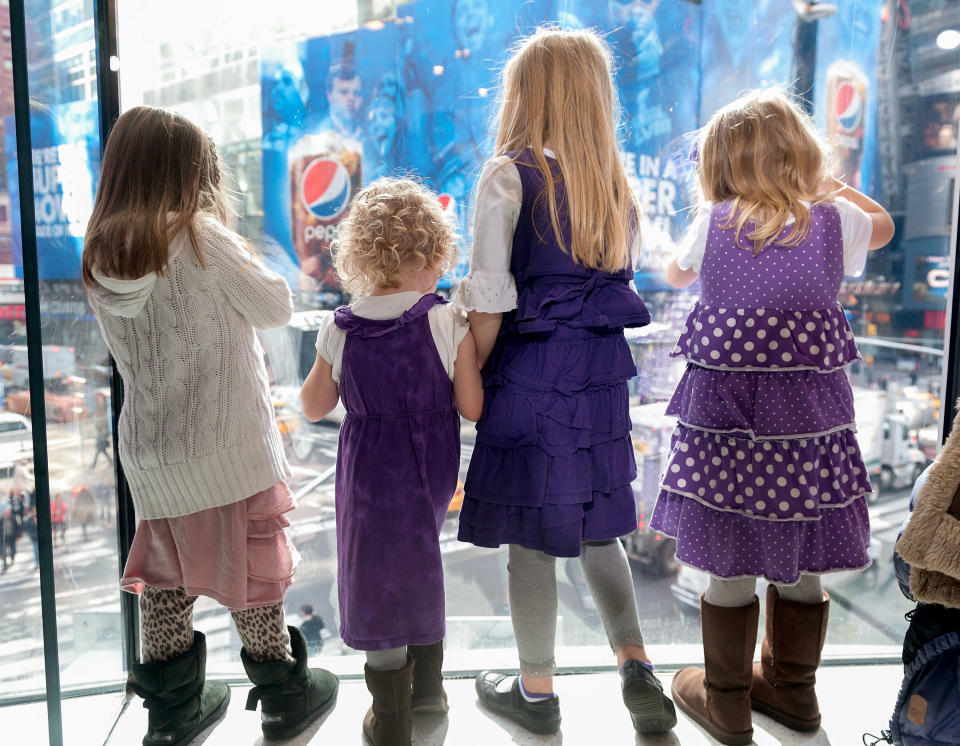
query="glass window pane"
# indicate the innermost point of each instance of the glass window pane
(66, 154)
(376, 89)
(21, 636)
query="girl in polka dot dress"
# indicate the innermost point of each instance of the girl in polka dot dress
(765, 477)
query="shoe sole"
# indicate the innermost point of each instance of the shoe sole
(207, 722)
(295, 729)
(650, 710)
(804, 726)
(743, 738)
(521, 718)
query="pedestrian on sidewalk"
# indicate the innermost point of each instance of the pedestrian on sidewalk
(103, 445)
(59, 511)
(311, 625)
(30, 529)
(9, 531)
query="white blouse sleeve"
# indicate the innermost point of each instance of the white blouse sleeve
(448, 326)
(693, 242)
(330, 341)
(489, 286)
(856, 229)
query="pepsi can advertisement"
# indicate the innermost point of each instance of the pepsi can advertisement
(325, 173)
(847, 89)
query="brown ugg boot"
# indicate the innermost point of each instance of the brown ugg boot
(389, 721)
(783, 681)
(428, 693)
(718, 698)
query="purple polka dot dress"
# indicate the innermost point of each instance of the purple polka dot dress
(765, 477)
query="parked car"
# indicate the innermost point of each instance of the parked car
(16, 440)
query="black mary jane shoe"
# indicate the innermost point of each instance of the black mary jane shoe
(539, 717)
(650, 709)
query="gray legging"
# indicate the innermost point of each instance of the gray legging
(740, 591)
(533, 601)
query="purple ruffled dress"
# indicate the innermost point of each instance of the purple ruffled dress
(765, 477)
(553, 461)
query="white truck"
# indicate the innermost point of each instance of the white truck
(892, 458)
(58, 362)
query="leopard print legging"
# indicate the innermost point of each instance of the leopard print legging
(166, 627)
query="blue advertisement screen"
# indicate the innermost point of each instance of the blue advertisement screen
(65, 144)
(418, 96)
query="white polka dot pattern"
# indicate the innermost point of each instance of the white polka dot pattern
(767, 339)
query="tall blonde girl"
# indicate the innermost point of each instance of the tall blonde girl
(555, 237)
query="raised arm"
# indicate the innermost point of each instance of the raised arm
(882, 222)
(262, 297)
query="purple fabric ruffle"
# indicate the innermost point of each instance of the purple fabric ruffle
(794, 403)
(767, 339)
(598, 302)
(731, 545)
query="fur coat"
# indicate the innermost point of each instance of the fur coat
(931, 541)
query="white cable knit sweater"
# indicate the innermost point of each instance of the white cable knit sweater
(197, 429)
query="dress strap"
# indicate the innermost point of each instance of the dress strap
(354, 325)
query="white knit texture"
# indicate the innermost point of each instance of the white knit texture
(197, 429)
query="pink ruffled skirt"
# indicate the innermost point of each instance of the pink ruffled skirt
(237, 554)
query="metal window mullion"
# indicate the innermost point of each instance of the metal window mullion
(108, 102)
(38, 415)
(951, 342)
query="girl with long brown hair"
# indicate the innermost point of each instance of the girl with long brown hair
(178, 297)
(556, 234)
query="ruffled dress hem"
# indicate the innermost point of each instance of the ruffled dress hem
(200, 552)
(393, 642)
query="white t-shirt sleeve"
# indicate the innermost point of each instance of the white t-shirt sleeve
(448, 325)
(489, 286)
(856, 229)
(330, 341)
(693, 242)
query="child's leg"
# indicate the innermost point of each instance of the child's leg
(731, 593)
(166, 623)
(263, 632)
(387, 660)
(795, 630)
(808, 590)
(389, 676)
(607, 571)
(532, 587)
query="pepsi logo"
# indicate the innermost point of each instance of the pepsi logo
(447, 203)
(848, 107)
(325, 188)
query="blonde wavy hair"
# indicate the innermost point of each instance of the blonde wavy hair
(763, 154)
(394, 225)
(558, 86)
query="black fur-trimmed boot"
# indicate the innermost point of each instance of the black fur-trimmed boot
(291, 696)
(179, 701)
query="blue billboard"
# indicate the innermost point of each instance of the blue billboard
(65, 151)
(418, 95)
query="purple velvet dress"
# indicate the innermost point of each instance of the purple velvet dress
(397, 467)
(765, 477)
(553, 462)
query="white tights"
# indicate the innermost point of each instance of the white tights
(740, 591)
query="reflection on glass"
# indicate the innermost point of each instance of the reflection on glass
(21, 639)
(65, 154)
(306, 110)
